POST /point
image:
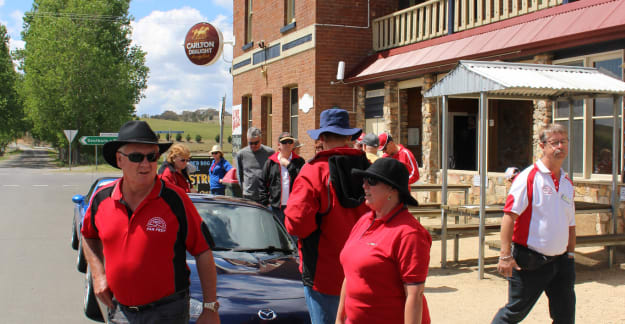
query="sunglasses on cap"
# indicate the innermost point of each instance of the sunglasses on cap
(371, 181)
(288, 141)
(137, 157)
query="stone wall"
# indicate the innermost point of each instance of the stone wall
(391, 108)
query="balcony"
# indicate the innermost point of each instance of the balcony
(435, 18)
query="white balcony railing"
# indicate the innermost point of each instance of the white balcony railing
(430, 19)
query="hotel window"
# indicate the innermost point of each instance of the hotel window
(294, 111)
(289, 11)
(248, 21)
(267, 102)
(591, 144)
(249, 112)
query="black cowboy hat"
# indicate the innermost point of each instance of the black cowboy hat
(391, 172)
(132, 132)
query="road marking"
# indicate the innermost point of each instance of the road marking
(6, 185)
(43, 185)
(70, 185)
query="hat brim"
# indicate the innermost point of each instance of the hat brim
(110, 148)
(404, 194)
(354, 132)
(211, 152)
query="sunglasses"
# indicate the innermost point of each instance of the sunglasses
(185, 160)
(371, 181)
(215, 153)
(137, 157)
(254, 143)
(287, 142)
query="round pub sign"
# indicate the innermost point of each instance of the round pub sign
(203, 44)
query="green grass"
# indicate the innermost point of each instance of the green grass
(8, 154)
(208, 131)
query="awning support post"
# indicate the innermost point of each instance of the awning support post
(483, 178)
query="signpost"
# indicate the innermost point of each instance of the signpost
(97, 140)
(70, 134)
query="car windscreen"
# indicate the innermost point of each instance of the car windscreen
(244, 228)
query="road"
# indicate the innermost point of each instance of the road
(38, 277)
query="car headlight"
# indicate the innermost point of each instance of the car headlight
(195, 308)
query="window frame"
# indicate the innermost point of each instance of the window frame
(291, 115)
(248, 21)
(588, 117)
(289, 12)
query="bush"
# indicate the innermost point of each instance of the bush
(178, 137)
(188, 137)
(217, 138)
(198, 138)
(167, 137)
(230, 139)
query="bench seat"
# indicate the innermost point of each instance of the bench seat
(581, 241)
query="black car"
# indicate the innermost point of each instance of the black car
(257, 266)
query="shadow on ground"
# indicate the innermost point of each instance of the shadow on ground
(29, 159)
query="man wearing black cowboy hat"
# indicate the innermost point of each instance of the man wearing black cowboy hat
(323, 206)
(143, 228)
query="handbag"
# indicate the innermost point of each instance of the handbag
(529, 259)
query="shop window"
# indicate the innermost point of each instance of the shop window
(294, 111)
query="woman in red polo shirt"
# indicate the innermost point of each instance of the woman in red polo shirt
(174, 168)
(386, 257)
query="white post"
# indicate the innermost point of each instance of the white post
(483, 178)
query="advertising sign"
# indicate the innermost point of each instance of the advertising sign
(199, 178)
(236, 120)
(203, 44)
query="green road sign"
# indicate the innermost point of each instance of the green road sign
(96, 140)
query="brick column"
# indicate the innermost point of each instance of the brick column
(403, 119)
(430, 140)
(542, 111)
(360, 107)
(391, 108)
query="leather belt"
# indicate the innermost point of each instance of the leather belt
(165, 300)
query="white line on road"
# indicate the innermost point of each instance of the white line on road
(43, 185)
(6, 185)
(70, 185)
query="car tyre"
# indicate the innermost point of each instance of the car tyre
(81, 262)
(74, 236)
(92, 311)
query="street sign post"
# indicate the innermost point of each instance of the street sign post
(97, 140)
(70, 134)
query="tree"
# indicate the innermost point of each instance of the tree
(81, 70)
(11, 109)
(230, 139)
(198, 138)
(178, 137)
(188, 137)
(217, 138)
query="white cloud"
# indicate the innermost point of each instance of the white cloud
(224, 3)
(174, 82)
(1, 3)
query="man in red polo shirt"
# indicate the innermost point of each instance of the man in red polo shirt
(399, 152)
(143, 228)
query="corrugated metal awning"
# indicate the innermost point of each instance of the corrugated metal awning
(524, 81)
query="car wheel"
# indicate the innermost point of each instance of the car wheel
(92, 311)
(74, 236)
(81, 262)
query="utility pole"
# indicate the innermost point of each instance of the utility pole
(221, 121)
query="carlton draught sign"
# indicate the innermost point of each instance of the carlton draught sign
(203, 44)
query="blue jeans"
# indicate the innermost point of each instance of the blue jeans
(556, 279)
(218, 191)
(322, 307)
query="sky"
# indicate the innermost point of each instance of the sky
(159, 28)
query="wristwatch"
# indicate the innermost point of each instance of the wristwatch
(213, 307)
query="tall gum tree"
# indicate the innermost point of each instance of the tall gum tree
(11, 110)
(80, 68)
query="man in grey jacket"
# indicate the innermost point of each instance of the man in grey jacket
(250, 161)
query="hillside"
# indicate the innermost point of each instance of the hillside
(208, 131)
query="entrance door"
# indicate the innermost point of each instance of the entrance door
(463, 152)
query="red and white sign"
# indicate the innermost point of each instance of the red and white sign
(203, 44)
(236, 120)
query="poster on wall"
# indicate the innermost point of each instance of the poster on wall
(236, 128)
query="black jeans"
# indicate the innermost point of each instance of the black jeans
(556, 279)
(175, 312)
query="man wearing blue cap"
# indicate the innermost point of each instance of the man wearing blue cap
(323, 206)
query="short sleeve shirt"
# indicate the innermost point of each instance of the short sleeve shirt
(546, 209)
(379, 258)
(145, 250)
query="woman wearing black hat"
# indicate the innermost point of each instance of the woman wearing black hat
(386, 257)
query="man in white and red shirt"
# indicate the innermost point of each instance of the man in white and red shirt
(399, 152)
(539, 224)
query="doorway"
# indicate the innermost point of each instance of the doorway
(463, 144)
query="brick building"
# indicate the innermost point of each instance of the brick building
(287, 53)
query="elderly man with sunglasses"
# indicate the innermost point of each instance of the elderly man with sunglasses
(143, 228)
(250, 161)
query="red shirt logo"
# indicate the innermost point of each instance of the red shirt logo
(156, 224)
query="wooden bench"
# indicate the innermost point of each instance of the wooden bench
(426, 210)
(461, 229)
(581, 241)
